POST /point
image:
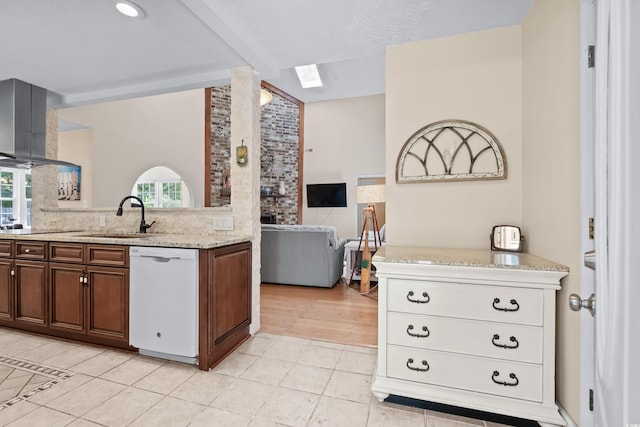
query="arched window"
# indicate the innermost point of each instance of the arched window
(161, 187)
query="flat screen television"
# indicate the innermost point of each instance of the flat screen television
(327, 195)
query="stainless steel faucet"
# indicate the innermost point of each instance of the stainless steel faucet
(143, 226)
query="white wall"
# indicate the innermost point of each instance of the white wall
(133, 135)
(76, 146)
(347, 139)
(474, 77)
(551, 167)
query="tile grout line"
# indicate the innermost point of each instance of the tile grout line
(58, 375)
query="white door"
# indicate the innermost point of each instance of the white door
(587, 285)
(611, 158)
(587, 150)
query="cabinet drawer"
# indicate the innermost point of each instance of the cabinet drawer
(110, 255)
(484, 375)
(31, 250)
(469, 301)
(6, 248)
(492, 339)
(66, 252)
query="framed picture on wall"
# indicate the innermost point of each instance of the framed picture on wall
(68, 182)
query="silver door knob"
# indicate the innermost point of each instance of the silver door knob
(576, 303)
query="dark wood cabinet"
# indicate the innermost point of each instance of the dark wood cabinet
(224, 301)
(6, 290)
(107, 293)
(6, 249)
(30, 295)
(66, 297)
(7, 287)
(89, 292)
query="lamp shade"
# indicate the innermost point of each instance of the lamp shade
(371, 193)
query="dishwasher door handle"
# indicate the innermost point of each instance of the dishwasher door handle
(159, 258)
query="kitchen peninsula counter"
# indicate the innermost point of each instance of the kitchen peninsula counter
(75, 285)
(174, 240)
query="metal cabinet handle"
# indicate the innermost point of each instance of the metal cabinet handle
(418, 335)
(418, 369)
(419, 301)
(13, 271)
(27, 250)
(513, 339)
(505, 383)
(513, 302)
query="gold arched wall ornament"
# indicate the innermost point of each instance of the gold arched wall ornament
(451, 150)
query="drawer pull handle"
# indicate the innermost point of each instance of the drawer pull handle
(418, 335)
(513, 339)
(513, 302)
(419, 301)
(418, 369)
(27, 250)
(505, 383)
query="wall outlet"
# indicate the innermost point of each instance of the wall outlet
(103, 221)
(84, 204)
(223, 223)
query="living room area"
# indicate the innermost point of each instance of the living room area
(298, 149)
(339, 313)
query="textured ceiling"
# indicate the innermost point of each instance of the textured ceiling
(83, 51)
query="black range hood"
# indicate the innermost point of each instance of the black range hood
(23, 126)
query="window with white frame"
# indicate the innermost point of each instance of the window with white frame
(147, 192)
(160, 187)
(15, 197)
(160, 193)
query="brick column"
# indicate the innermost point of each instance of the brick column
(245, 187)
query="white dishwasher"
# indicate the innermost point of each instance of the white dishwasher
(163, 303)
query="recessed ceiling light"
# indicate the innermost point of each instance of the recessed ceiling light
(130, 9)
(309, 76)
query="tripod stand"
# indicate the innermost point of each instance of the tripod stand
(365, 272)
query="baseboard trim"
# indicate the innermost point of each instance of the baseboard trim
(564, 414)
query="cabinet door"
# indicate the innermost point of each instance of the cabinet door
(31, 292)
(108, 302)
(66, 297)
(224, 301)
(6, 290)
(231, 290)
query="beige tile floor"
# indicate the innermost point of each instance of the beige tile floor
(270, 380)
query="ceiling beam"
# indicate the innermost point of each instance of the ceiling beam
(236, 37)
(146, 88)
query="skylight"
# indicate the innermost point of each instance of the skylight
(309, 76)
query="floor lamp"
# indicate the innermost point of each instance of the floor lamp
(370, 194)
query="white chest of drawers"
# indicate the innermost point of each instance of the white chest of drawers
(469, 328)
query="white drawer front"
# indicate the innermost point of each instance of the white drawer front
(492, 339)
(498, 377)
(494, 303)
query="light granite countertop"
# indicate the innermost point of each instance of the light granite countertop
(482, 258)
(199, 241)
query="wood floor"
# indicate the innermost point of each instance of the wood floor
(339, 314)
